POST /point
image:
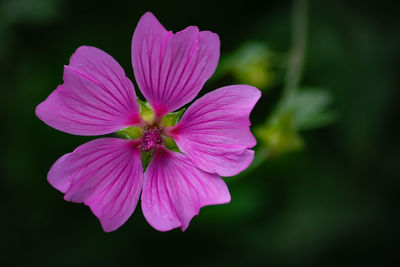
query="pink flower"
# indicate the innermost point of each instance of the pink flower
(97, 98)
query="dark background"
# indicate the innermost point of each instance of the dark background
(333, 203)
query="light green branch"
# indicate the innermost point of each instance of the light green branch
(297, 52)
(294, 71)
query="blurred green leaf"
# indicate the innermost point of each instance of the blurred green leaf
(253, 63)
(30, 11)
(279, 134)
(310, 108)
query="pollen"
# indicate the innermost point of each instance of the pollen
(151, 140)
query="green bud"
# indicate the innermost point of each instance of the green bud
(253, 63)
(280, 135)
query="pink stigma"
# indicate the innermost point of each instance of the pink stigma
(151, 140)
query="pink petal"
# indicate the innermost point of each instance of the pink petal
(214, 133)
(106, 174)
(174, 191)
(96, 97)
(170, 69)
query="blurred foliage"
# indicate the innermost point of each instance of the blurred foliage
(279, 134)
(310, 108)
(332, 203)
(253, 63)
(17, 11)
(307, 110)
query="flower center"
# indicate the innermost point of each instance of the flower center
(151, 140)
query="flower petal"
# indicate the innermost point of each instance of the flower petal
(174, 191)
(96, 97)
(106, 174)
(170, 69)
(214, 133)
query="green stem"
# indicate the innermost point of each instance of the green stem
(297, 52)
(294, 71)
